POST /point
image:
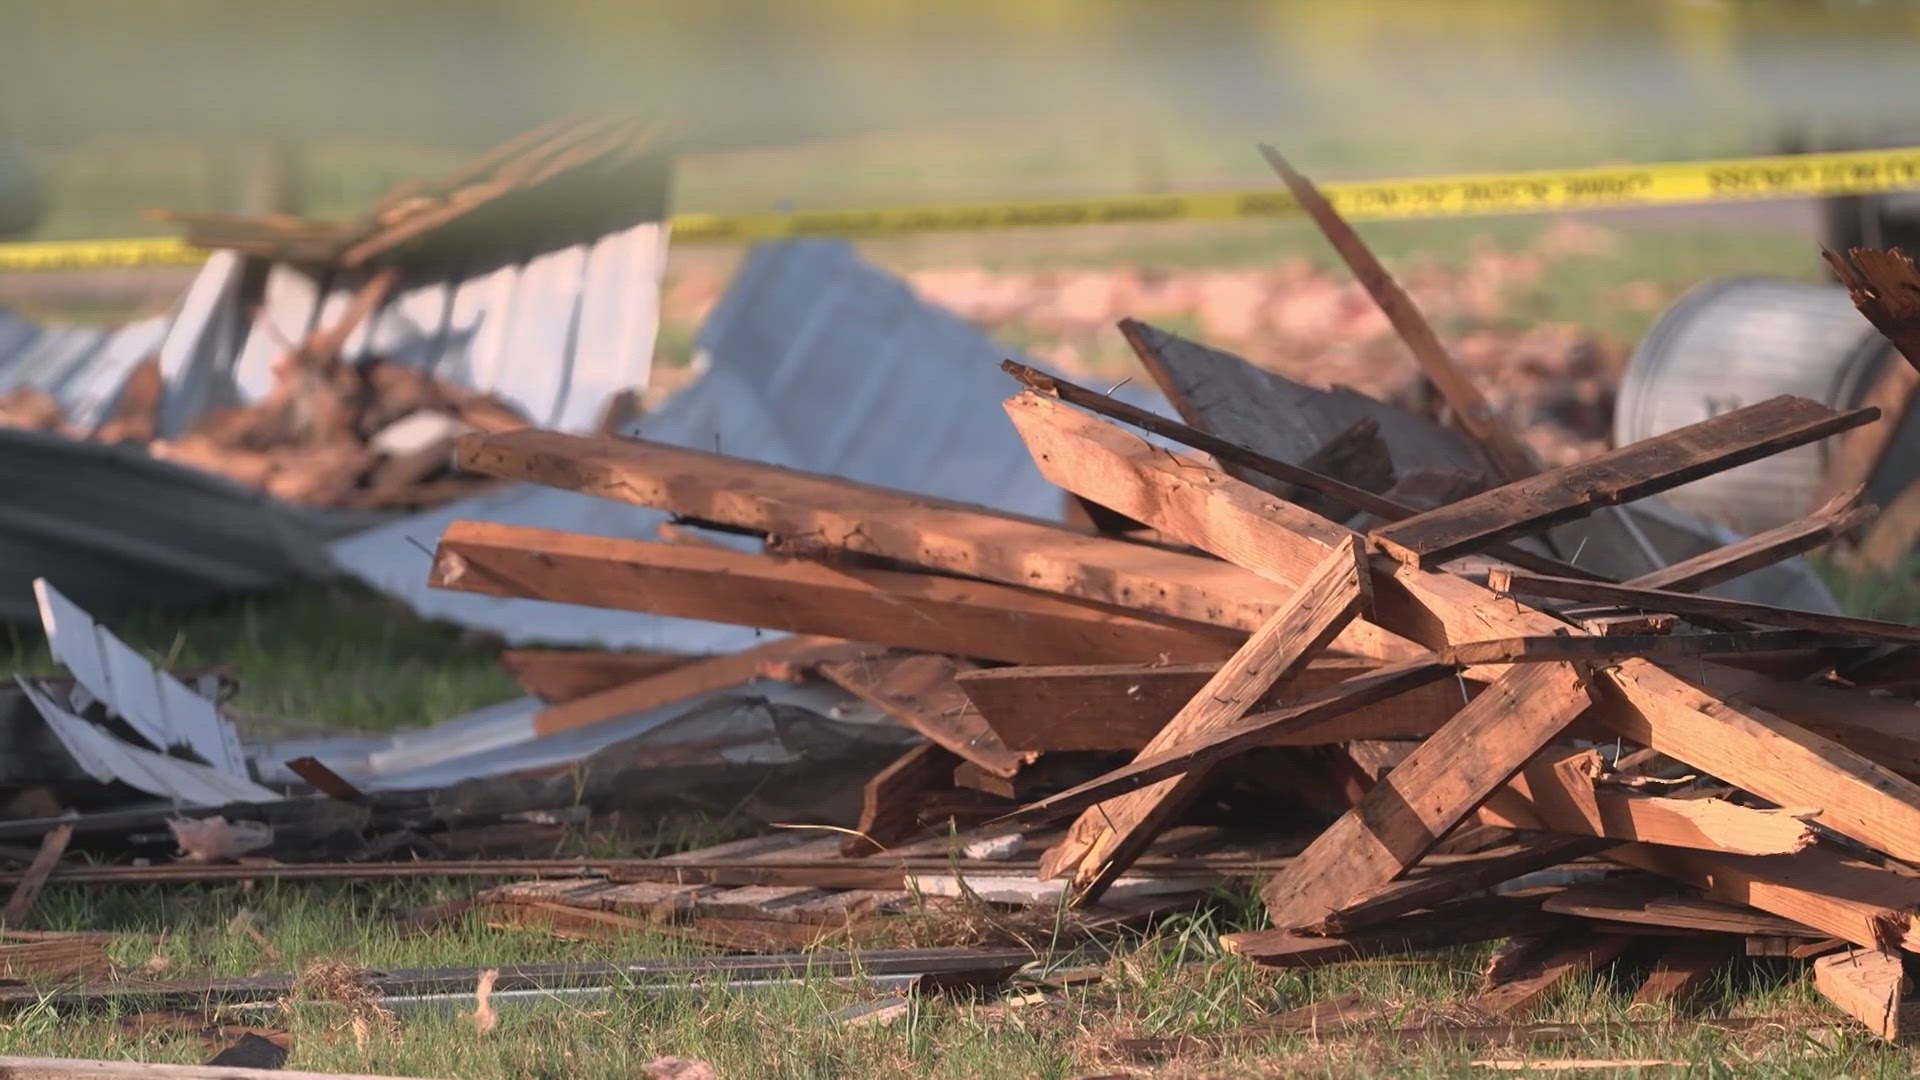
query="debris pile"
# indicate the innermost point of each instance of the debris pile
(1446, 728)
(1374, 664)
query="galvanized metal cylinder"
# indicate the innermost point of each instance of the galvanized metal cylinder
(1737, 341)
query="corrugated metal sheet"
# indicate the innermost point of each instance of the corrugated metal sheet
(107, 758)
(115, 529)
(158, 706)
(814, 360)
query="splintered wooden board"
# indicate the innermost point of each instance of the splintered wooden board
(1631, 472)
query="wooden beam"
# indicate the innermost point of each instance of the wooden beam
(1213, 746)
(1106, 838)
(682, 682)
(1631, 472)
(1866, 905)
(1465, 922)
(1521, 583)
(830, 513)
(1122, 706)
(1872, 987)
(46, 1068)
(1441, 782)
(933, 614)
(1472, 411)
(1557, 791)
(1566, 647)
(27, 890)
(919, 691)
(1837, 518)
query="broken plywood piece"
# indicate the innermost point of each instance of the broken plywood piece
(920, 692)
(1623, 475)
(1108, 837)
(934, 614)
(1445, 779)
(1563, 792)
(1871, 986)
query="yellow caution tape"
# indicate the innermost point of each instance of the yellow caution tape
(1857, 172)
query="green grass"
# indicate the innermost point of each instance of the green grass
(1171, 983)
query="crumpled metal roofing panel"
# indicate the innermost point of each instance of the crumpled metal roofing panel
(107, 758)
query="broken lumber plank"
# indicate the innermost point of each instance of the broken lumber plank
(1866, 905)
(682, 682)
(1445, 779)
(1553, 647)
(1558, 791)
(1210, 747)
(1684, 970)
(1885, 287)
(1840, 516)
(1521, 583)
(920, 692)
(1152, 347)
(1745, 745)
(1431, 885)
(1107, 838)
(1870, 986)
(1623, 475)
(1122, 706)
(1753, 749)
(1569, 956)
(560, 675)
(27, 890)
(1653, 901)
(828, 512)
(1465, 922)
(933, 614)
(1509, 458)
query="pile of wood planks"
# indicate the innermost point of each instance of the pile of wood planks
(1470, 736)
